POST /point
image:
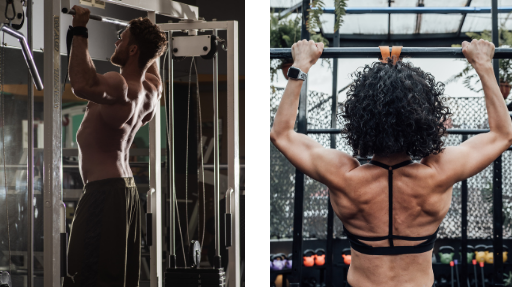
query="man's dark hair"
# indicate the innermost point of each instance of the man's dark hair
(150, 40)
(394, 108)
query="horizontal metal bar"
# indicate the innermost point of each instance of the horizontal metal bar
(168, 8)
(27, 54)
(374, 52)
(418, 10)
(98, 18)
(219, 25)
(449, 131)
(398, 10)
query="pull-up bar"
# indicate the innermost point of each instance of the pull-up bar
(418, 10)
(400, 10)
(98, 18)
(374, 52)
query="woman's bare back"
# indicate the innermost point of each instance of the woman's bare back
(419, 206)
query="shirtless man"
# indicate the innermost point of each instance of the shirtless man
(104, 245)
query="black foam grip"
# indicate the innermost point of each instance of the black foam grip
(228, 230)
(149, 229)
(63, 255)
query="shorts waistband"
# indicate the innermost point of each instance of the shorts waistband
(118, 182)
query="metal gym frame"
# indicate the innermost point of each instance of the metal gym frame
(336, 52)
(53, 219)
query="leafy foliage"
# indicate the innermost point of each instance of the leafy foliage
(508, 279)
(470, 78)
(314, 23)
(506, 212)
(283, 34)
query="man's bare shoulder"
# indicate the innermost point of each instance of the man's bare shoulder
(154, 81)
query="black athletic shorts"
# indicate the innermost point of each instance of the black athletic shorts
(433, 285)
(104, 244)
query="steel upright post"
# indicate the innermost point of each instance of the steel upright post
(52, 144)
(170, 139)
(30, 158)
(233, 274)
(298, 210)
(497, 174)
(330, 212)
(464, 225)
(155, 193)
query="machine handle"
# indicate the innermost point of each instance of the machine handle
(149, 229)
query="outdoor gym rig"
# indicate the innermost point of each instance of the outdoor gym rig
(373, 52)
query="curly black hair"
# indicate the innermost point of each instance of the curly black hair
(394, 108)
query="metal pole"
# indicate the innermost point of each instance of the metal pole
(330, 212)
(155, 194)
(497, 174)
(464, 225)
(233, 274)
(450, 131)
(52, 144)
(100, 18)
(298, 210)
(30, 163)
(374, 52)
(172, 189)
(216, 154)
(418, 10)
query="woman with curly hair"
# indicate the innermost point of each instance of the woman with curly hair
(392, 207)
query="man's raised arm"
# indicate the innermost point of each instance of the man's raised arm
(85, 82)
(153, 76)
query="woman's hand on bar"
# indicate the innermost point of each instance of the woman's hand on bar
(306, 53)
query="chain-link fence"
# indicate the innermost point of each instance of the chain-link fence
(468, 113)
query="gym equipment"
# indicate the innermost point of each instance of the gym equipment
(27, 54)
(278, 261)
(5, 279)
(480, 252)
(289, 261)
(482, 269)
(446, 254)
(451, 272)
(474, 271)
(309, 258)
(375, 52)
(457, 272)
(434, 259)
(319, 257)
(469, 253)
(66, 10)
(347, 257)
(505, 253)
(190, 22)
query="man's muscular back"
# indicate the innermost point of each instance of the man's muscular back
(107, 130)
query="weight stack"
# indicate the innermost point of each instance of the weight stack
(195, 277)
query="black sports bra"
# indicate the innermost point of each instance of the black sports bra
(355, 240)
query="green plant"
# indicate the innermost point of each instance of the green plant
(506, 212)
(283, 34)
(471, 79)
(313, 20)
(508, 279)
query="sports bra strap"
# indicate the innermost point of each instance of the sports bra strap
(390, 184)
(396, 166)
